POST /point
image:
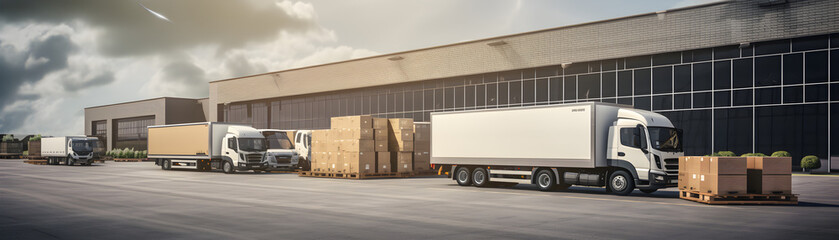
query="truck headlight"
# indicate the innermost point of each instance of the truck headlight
(659, 178)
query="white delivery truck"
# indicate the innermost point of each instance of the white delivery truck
(556, 146)
(281, 152)
(303, 144)
(70, 150)
(206, 146)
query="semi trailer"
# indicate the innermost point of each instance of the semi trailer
(69, 150)
(207, 145)
(556, 146)
(281, 152)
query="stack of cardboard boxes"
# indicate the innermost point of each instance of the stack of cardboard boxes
(770, 175)
(735, 175)
(363, 144)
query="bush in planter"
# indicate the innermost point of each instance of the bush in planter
(9, 138)
(781, 154)
(753, 155)
(26, 153)
(36, 138)
(811, 162)
(723, 154)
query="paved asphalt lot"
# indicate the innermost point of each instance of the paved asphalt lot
(138, 200)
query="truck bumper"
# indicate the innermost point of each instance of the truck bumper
(663, 181)
(251, 166)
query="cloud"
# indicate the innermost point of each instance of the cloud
(129, 30)
(180, 78)
(18, 67)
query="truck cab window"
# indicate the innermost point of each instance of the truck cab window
(632, 137)
(231, 143)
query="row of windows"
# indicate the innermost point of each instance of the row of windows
(132, 132)
(99, 130)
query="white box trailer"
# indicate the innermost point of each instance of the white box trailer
(69, 149)
(558, 146)
(207, 145)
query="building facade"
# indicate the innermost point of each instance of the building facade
(742, 76)
(123, 125)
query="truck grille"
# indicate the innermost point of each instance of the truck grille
(671, 165)
(282, 159)
(254, 158)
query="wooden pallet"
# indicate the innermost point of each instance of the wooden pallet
(130, 159)
(364, 175)
(284, 171)
(31, 157)
(10, 156)
(759, 199)
(36, 162)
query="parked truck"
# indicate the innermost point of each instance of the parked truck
(207, 145)
(302, 144)
(69, 150)
(556, 146)
(281, 152)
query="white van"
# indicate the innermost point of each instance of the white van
(302, 143)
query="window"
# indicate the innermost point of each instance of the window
(547, 71)
(697, 55)
(556, 89)
(633, 137)
(418, 100)
(642, 103)
(609, 65)
(702, 76)
(503, 93)
(428, 99)
(701, 100)
(459, 97)
(767, 71)
(132, 132)
(528, 90)
(480, 95)
(667, 58)
(625, 83)
(638, 62)
(570, 88)
(681, 78)
(665, 139)
(767, 96)
(722, 75)
(793, 69)
(625, 101)
(259, 112)
(470, 96)
(438, 99)
(681, 101)
(816, 93)
(663, 80)
(99, 129)
(515, 92)
(542, 90)
(743, 73)
(733, 129)
(664, 102)
(816, 70)
(779, 46)
(589, 86)
(722, 99)
(642, 81)
(742, 97)
(834, 64)
(449, 98)
(793, 94)
(726, 52)
(492, 94)
(799, 129)
(609, 84)
(231, 143)
(810, 43)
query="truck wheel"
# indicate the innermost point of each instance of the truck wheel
(545, 180)
(621, 183)
(480, 178)
(166, 164)
(227, 167)
(648, 190)
(463, 177)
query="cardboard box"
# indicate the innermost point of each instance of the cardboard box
(357, 133)
(358, 122)
(359, 162)
(694, 180)
(332, 163)
(383, 162)
(682, 164)
(402, 161)
(401, 146)
(724, 166)
(333, 145)
(401, 123)
(381, 145)
(357, 145)
(380, 123)
(759, 183)
(771, 165)
(380, 134)
(723, 184)
(694, 164)
(337, 122)
(422, 161)
(401, 135)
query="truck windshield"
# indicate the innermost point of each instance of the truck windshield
(278, 140)
(82, 146)
(252, 144)
(666, 139)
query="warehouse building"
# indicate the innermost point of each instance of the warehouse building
(123, 125)
(743, 76)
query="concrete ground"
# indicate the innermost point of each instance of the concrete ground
(138, 200)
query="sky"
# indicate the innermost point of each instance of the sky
(59, 56)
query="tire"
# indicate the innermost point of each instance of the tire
(480, 178)
(463, 176)
(227, 167)
(166, 164)
(621, 183)
(648, 190)
(545, 180)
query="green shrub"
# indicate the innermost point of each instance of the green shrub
(811, 162)
(723, 154)
(781, 154)
(26, 153)
(753, 155)
(9, 138)
(35, 138)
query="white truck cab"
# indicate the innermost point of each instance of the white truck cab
(650, 143)
(303, 143)
(70, 149)
(282, 154)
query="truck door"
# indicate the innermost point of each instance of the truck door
(633, 148)
(231, 149)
